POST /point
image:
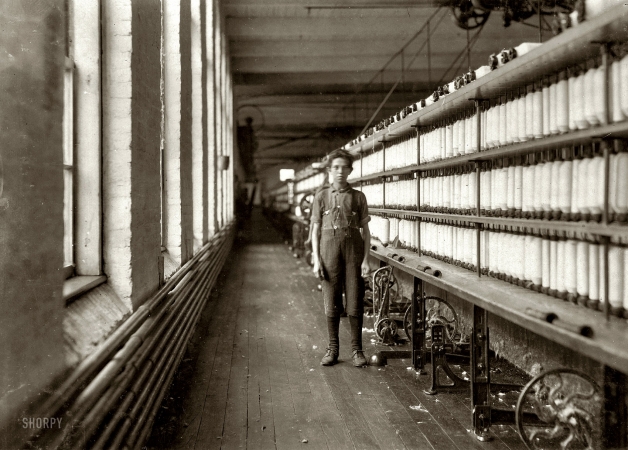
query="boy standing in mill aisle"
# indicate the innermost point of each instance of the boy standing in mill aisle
(340, 253)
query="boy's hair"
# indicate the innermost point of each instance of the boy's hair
(340, 153)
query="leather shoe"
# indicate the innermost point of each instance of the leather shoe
(330, 358)
(358, 358)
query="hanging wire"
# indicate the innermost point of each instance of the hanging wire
(380, 72)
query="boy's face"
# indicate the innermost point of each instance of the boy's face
(340, 170)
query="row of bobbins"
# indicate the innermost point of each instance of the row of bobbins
(566, 266)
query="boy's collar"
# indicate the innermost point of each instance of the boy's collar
(347, 188)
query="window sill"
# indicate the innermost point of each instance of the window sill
(75, 286)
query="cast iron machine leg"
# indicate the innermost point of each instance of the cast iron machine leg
(418, 329)
(614, 417)
(480, 375)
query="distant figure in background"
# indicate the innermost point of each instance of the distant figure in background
(340, 253)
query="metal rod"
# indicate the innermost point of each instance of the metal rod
(606, 181)
(95, 360)
(538, 11)
(607, 306)
(469, 53)
(429, 56)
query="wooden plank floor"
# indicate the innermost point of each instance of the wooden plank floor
(252, 376)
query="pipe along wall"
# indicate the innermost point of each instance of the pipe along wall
(111, 399)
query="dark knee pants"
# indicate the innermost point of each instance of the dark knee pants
(342, 252)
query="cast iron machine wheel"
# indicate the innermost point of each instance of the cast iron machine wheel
(560, 409)
(437, 311)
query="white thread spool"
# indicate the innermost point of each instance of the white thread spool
(455, 137)
(582, 266)
(546, 109)
(450, 242)
(502, 122)
(464, 191)
(527, 257)
(521, 260)
(521, 118)
(457, 190)
(602, 268)
(536, 260)
(553, 108)
(583, 188)
(546, 187)
(447, 192)
(527, 199)
(555, 187)
(531, 114)
(595, 185)
(571, 87)
(564, 189)
(518, 204)
(594, 271)
(553, 264)
(561, 264)
(571, 266)
(510, 198)
(623, 75)
(483, 249)
(615, 276)
(473, 145)
(546, 262)
(460, 244)
(487, 130)
(485, 192)
(511, 117)
(473, 184)
(599, 99)
(385, 233)
(579, 102)
(538, 190)
(494, 176)
(502, 189)
(462, 137)
(483, 129)
(615, 92)
(618, 184)
(537, 114)
(562, 104)
(442, 135)
(492, 251)
(504, 266)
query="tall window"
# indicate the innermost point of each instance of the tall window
(82, 158)
(68, 151)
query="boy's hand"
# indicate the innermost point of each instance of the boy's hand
(318, 270)
(365, 268)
